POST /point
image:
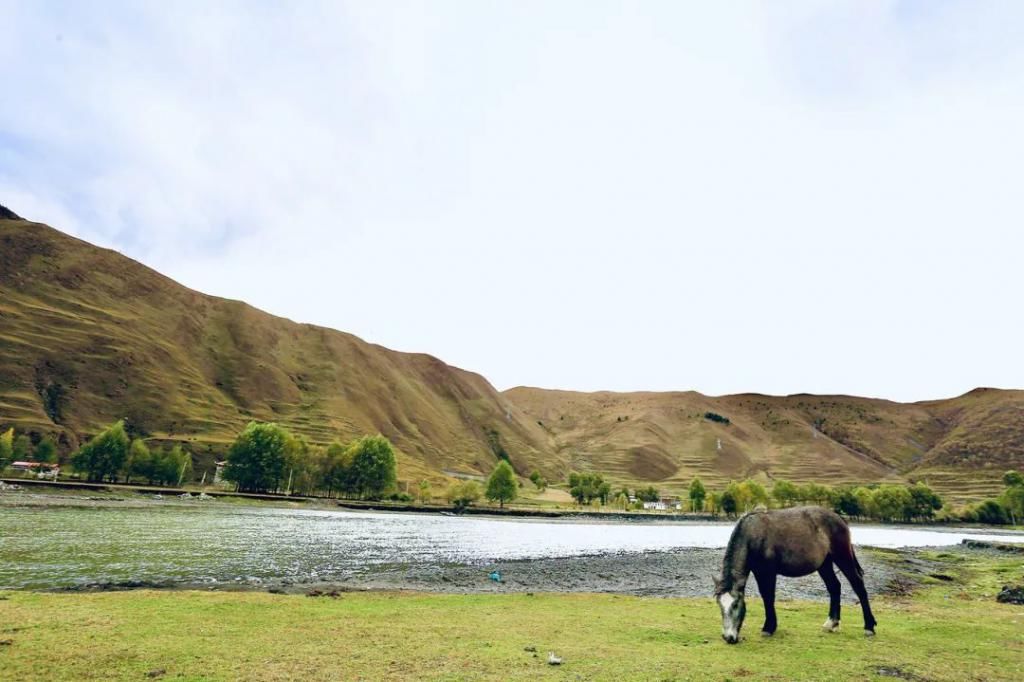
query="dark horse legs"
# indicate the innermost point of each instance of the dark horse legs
(851, 569)
(828, 574)
(766, 585)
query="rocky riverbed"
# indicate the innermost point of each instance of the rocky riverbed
(685, 573)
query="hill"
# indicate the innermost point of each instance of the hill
(961, 445)
(88, 335)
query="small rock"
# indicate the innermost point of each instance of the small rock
(159, 672)
(1011, 594)
(553, 660)
(530, 648)
(6, 642)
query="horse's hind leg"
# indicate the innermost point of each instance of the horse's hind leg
(828, 575)
(766, 586)
(850, 567)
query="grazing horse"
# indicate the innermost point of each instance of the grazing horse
(790, 542)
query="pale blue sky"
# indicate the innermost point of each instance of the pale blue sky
(726, 197)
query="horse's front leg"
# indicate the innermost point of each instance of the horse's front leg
(766, 586)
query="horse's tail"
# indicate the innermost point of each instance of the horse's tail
(856, 564)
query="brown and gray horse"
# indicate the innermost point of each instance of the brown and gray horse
(790, 542)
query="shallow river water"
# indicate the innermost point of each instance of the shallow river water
(217, 544)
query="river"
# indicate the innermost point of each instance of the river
(217, 544)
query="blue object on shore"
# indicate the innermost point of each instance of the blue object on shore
(496, 576)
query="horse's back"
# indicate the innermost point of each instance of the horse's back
(797, 540)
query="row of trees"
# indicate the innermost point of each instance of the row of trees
(20, 448)
(888, 502)
(265, 457)
(111, 455)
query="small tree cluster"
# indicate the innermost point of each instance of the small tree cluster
(585, 488)
(158, 467)
(538, 481)
(648, 494)
(103, 458)
(463, 494)
(266, 457)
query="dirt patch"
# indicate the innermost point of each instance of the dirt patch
(650, 464)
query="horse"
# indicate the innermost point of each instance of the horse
(790, 542)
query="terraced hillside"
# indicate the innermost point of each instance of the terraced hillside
(88, 335)
(961, 445)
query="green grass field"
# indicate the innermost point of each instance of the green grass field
(947, 631)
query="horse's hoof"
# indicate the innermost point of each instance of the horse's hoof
(830, 625)
(869, 633)
(765, 633)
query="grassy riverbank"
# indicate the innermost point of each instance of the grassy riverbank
(951, 630)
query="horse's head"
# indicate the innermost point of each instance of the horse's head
(733, 608)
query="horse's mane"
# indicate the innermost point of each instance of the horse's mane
(736, 544)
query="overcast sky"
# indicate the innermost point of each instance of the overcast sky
(720, 196)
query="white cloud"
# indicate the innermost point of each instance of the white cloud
(809, 197)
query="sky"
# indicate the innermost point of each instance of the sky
(819, 197)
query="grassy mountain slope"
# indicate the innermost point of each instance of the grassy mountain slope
(88, 335)
(961, 445)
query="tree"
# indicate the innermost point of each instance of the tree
(891, 502)
(991, 512)
(463, 494)
(538, 481)
(1013, 497)
(1012, 479)
(374, 470)
(785, 493)
(753, 494)
(845, 502)
(728, 502)
(334, 469)
(6, 448)
(424, 491)
(22, 447)
(105, 455)
(714, 503)
(502, 485)
(256, 459)
(865, 501)
(923, 502)
(815, 493)
(180, 463)
(697, 494)
(140, 462)
(46, 451)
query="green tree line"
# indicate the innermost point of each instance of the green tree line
(265, 457)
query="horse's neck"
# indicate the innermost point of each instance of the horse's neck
(735, 569)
